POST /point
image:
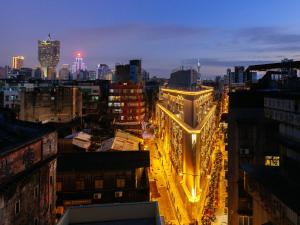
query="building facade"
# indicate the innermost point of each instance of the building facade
(185, 128)
(50, 104)
(102, 177)
(48, 55)
(28, 173)
(17, 62)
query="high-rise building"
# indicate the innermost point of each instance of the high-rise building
(182, 78)
(126, 98)
(48, 54)
(37, 74)
(78, 64)
(17, 62)
(64, 72)
(104, 72)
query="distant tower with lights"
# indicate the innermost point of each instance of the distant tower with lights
(17, 62)
(78, 64)
(48, 54)
(198, 70)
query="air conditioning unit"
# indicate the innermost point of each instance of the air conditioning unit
(97, 196)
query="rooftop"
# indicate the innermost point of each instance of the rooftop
(142, 213)
(14, 133)
(102, 160)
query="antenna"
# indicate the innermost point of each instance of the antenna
(198, 66)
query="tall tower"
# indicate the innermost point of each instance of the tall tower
(48, 54)
(78, 64)
(17, 62)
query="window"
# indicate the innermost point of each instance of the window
(272, 160)
(245, 220)
(36, 192)
(118, 194)
(58, 185)
(51, 180)
(80, 184)
(17, 207)
(120, 182)
(98, 183)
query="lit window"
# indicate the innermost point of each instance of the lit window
(120, 182)
(111, 90)
(118, 194)
(98, 183)
(272, 161)
(122, 117)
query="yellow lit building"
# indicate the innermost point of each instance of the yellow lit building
(186, 123)
(17, 62)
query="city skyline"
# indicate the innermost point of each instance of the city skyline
(163, 35)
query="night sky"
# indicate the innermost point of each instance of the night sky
(164, 33)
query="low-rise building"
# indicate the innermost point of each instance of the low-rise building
(138, 213)
(27, 173)
(102, 177)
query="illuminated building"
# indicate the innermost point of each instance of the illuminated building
(78, 64)
(186, 125)
(28, 172)
(17, 62)
(48, 54)
(126, 97)
(263, 135)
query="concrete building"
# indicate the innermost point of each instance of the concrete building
(186, 123)
(48, 55)
(127, 106)
(17, 62)
(28, 173)
(126, 97)
(64, 72)
(185, 79)
(139, 213)
(263, 135)
(50, 104)
(85, 178)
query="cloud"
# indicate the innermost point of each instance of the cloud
(141, 31)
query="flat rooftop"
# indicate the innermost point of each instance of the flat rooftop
(139, 213)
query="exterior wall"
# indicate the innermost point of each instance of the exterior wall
(51, 104)
(36, 196)
(28, 179)
(127, 105)
(135, 188)
(186, 135)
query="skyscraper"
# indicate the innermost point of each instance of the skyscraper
(17, 62)
(64, 72)
(48, 54)
(78, 64)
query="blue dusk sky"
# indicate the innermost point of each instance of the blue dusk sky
(163, 33)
